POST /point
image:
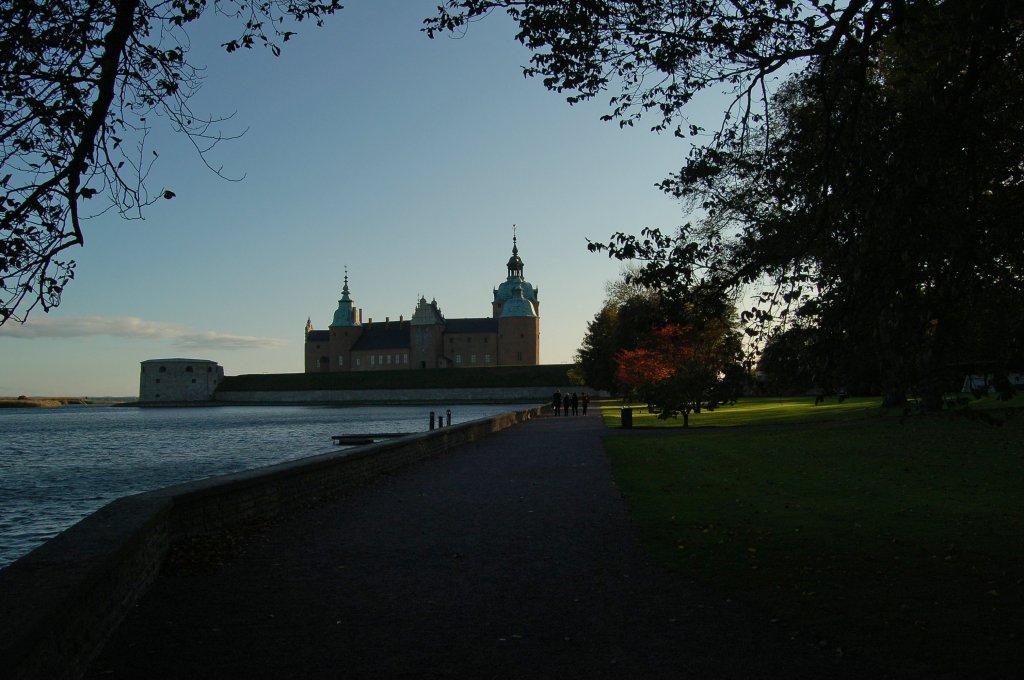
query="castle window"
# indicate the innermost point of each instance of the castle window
(209, 369)
(522, 335)
(358, 362)
(158, 380)
(193, 379)
(458, 358)
(405, 359)
(487, 358)
(389, 360)
(163, 369)
(380, 359)
(472, 358)
(519, 356)
(341, 360)
(372, 358)
(188, 369)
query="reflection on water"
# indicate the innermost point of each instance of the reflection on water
(59, 465)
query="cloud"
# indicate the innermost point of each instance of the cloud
(136, 328)
(207, 339)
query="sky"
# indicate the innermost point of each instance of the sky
(366, 146)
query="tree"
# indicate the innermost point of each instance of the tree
(678, 357)
(681, 368)
(875, 196)
(887, 211)
(796, 360)
(595, 359)
(624, 322)
(660, 53)
(80, 83)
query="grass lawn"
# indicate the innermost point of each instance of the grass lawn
(777, 410)
(898, 541)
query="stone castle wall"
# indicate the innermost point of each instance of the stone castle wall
(539, 395)
(178, 380)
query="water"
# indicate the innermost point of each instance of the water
(58, 465)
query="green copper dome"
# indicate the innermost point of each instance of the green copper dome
(518, 305)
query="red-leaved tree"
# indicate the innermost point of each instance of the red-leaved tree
(681, 368)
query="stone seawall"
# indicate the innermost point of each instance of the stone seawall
(60, 603)
(540, 395)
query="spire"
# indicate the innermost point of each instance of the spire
(344, 289)
(515, 263)
(345, 315)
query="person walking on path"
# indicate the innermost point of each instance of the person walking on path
(565, 404)
(556, 401)
(575, 404)
(586, 401)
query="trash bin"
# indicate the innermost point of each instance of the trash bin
(627, 418)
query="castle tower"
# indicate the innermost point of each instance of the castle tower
(344, 331)
(518, 331)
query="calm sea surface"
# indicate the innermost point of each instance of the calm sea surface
(58, 465)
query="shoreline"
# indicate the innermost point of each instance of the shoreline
(54, 402)
(330, 404)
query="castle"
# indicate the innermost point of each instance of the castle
(509, 337)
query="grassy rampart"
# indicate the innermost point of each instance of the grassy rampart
(502, 376)
(49, 402)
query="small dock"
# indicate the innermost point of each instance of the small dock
(361, 439)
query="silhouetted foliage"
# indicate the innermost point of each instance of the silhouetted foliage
(80, 84)
(794, 361)
(875, 196)
(658, 54)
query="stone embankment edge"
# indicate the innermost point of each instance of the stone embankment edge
(60, 603)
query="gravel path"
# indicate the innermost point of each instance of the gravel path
(510, 558)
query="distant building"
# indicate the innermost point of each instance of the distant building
(176, 380)
(509, 337)
(986, 383)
